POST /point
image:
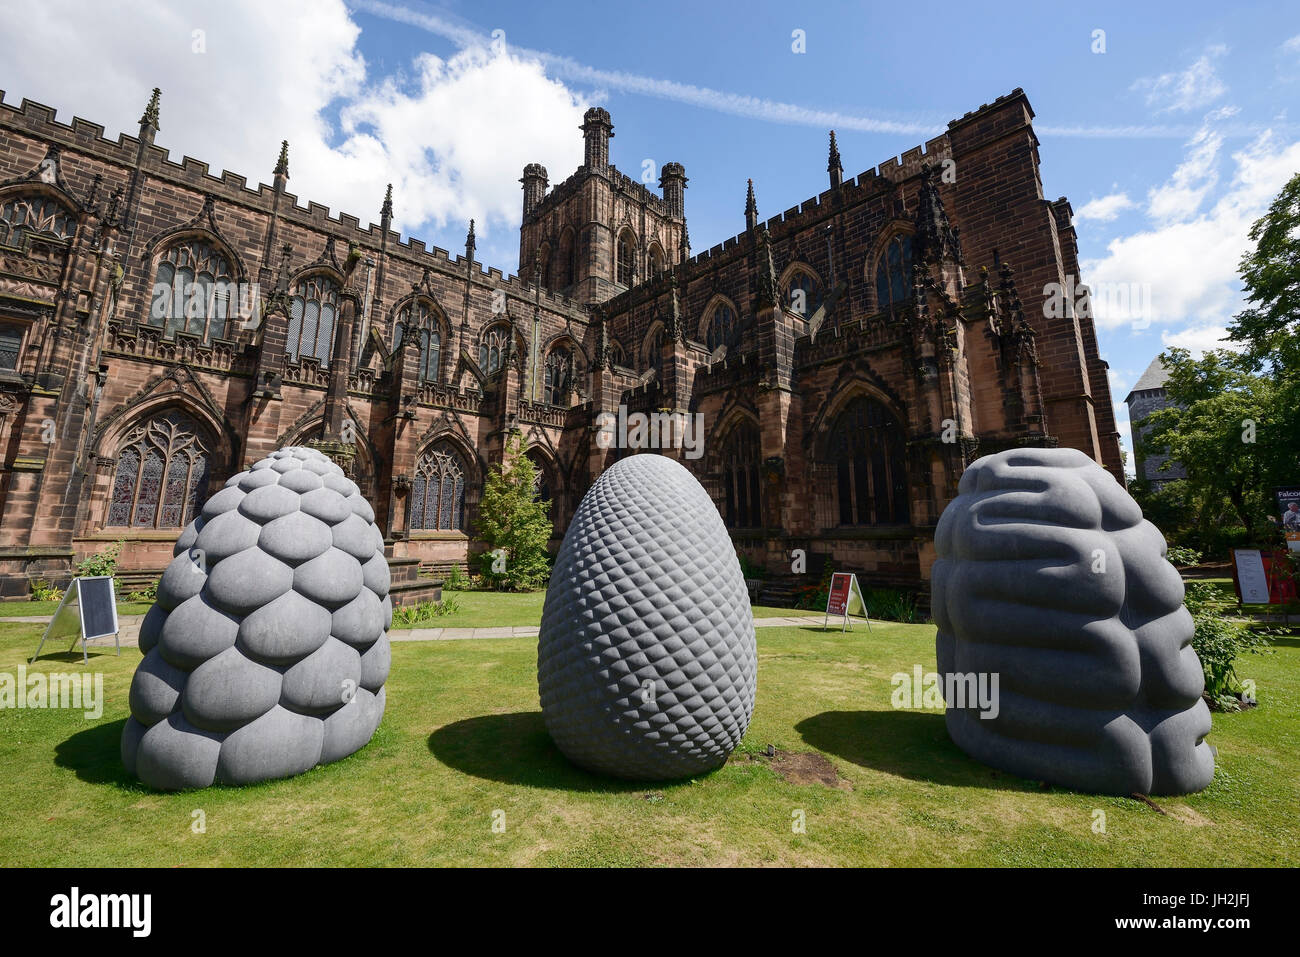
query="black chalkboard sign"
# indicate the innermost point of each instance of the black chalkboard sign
(98, 607)
(88, 610)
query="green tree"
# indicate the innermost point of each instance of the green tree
(1237, 431)
(1220, 425)
(512, 521)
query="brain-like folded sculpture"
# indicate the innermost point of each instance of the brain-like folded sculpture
(646, 662)
(1049, 577)
(267, 650)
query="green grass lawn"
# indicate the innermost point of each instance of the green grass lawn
(463, 739)
(489, 609)
(14, 609)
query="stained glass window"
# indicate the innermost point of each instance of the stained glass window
(38, 215)
(724, 330)
(894, 273)
(312, 314)
(11, 344)
(559, 376)
(420, 317)
(193, 291)
(492, 350)
(803, 295)
(741, 483)
(162, 469)
(626, 257)
(866, 447)
(438, 491)
(656, 351)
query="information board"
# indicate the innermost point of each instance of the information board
(843, 587)
(88, 610)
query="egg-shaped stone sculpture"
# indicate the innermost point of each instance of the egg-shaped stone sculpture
(1049, 580)
(267, 650)
(646, 662)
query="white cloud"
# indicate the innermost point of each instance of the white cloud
(1105, 208)
(1178, 199)
(1182, 91)
(451, 135)
(1197, 340)
(1292, 45)
(1185, 263)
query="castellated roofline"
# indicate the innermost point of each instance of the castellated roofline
(38, 121)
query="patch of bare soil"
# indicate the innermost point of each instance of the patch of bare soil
(802, 767)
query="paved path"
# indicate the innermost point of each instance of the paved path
(131, 629)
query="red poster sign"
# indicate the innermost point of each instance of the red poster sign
(838, 602)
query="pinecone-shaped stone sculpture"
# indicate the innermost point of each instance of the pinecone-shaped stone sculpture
(1049, 577)
(267, 650)
(646, 662)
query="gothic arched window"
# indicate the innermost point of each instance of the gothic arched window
(723, 328)
(38, 215)
(626, 257)
(559, 376)
(741, 478)
(162, 468)
(894, 273)
(617, 354)
(542, 483)
(655, 352)
(656, 257)
(492, 351)
(568, 256)
(312, 314)
(193, 291)
(803, 295)
(438, 491)
(423, 322)
(866, 448)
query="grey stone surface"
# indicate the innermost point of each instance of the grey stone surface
(350, 727)
(1049, 577)
(646, 660)
(287, 630)
(156, 689)
(269, 636)
(230, 690)
(279, 744)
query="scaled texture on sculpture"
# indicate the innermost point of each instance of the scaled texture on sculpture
(267, 650)
(646, 662)
(1049, 577)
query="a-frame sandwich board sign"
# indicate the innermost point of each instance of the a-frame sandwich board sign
(88, 610)
(843, 586)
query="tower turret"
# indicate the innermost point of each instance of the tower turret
(596, 132)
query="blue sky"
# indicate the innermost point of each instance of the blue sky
(1168, 143)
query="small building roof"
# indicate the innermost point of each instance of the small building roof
(1154, 378)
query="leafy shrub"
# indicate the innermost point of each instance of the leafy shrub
(1183, 555)
(1218, 642)
(749, 569)
(891, 604)
(457, 579)
(144, 595)
(411, 615)
(814, 597)
(44, 591)
(101, 564)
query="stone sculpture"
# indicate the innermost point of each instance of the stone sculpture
(1049, 578)
(647, 662)
(267, 650)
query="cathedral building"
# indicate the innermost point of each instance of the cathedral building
(162, 328)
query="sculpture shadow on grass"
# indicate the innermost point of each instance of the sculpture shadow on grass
(516, 748)
(95, 755)
(910, 744)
